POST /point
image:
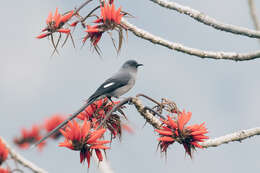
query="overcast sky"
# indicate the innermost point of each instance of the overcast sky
(224, 94)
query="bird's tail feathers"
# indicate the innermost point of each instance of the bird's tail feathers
(89, 102)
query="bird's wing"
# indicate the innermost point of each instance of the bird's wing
(111, 84)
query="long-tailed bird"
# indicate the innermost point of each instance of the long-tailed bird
(117, 85)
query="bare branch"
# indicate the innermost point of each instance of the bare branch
(26, 163)
(207, 20)
(236, 136)
(232, 137)
(150, 118)
(253, 14)
(187, 50)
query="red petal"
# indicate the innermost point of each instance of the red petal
(200, 137)
(201, 132)
(74, 23)
(166, 139)
(49, 18)
(108, 12)
(117, 15)
(96, 135)
(57, 21)
(99, 20)
(56, 15)
(164, 132)
(99, 154)
(103, 13)
(172, 123)
(67, 17)
(99, 147)
(113, 13)
(82, 156)
(43, 35)
(92, 30)
(196, 144)
(85, 129)
(87, 155)
(66, 31)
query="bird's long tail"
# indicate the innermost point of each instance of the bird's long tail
(89, 102)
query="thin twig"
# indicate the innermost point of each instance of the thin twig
(187, 50)
(153, 111)
(253, 14)
(207, 20)
(21, 160)
(149, 98)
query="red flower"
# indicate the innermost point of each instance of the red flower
(94, 34)
(97, 111)
(29, 137)
(175, 130)
(53, 122)
(109, 15)
(109, 19)
(2, 170)
(82, 139)
(55, 23)
(3, 152)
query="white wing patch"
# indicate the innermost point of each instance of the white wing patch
(109, 84)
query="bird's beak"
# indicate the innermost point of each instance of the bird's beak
(139, 65)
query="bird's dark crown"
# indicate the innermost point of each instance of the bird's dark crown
(131, 63)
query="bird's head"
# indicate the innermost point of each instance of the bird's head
(131, 64)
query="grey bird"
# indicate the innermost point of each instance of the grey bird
(117, 85)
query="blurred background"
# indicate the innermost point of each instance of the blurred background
(224, 94)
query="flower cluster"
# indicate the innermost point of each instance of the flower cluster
(2, 170)
(55, 23)
(29, 137)
(110, 19)
(174, 130)
(97, 111)
(3, 152)
(85, 140)
(53, 122)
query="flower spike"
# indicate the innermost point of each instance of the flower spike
(174, 130)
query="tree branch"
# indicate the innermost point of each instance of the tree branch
(207, 20)
(236, 136)
(20, 159)
(232, 137)
(187, 50)
(253, 14)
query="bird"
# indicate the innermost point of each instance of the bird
(117, 85)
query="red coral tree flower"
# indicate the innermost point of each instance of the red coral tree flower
(175, 130)
(55, 23)
(2, 170)
(29, 137)
(52, 123)
(3, 152)
(82, 139)
(97, 111)
(110, 19)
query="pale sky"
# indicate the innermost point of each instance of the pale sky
(224, 94)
